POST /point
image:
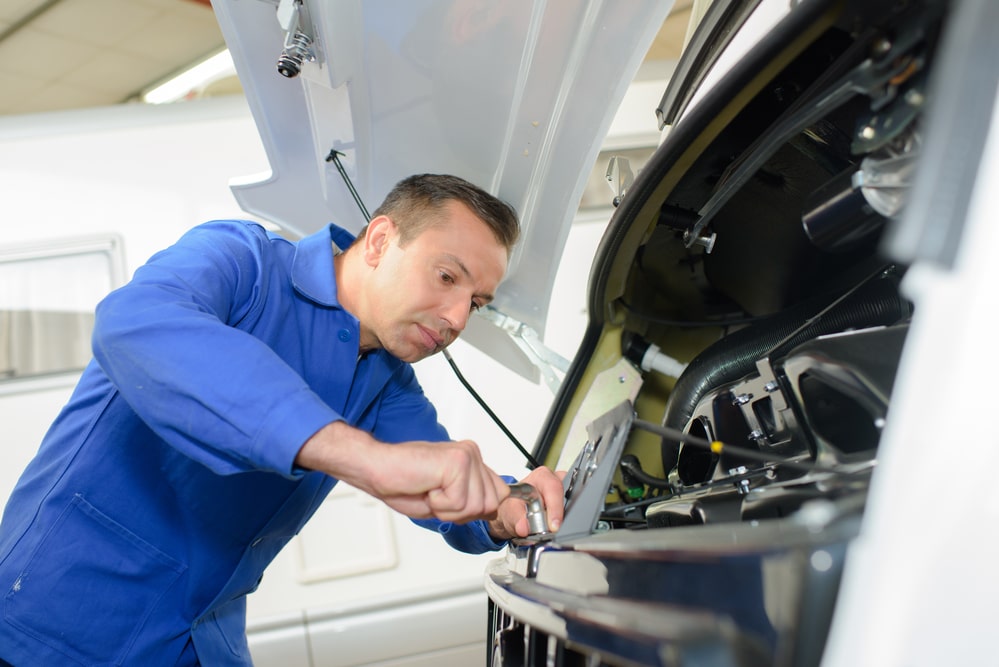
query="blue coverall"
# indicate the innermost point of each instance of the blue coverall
(167, 483)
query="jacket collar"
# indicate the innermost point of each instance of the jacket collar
(313, 276)
(312, 268)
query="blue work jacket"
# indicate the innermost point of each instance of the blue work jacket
(167, 483)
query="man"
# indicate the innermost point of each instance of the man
(235, 379)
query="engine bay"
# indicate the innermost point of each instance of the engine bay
(757, 271)
(749, 314)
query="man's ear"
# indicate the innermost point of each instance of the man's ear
(379, 236)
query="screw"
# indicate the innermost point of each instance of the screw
(914, 98)
(881, 47)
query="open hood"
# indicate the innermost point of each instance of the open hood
(513, 96)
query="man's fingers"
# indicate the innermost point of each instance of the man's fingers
(446, 480)
(470, 490)
(475, 495)
(415, 507)
(502, 489)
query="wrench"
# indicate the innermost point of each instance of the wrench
(537, 518)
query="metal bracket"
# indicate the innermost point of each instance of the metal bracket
(591, 475)
(619, 177)
(552, 365)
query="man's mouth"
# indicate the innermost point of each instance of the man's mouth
(431, 340)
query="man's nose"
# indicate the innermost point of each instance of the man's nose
(456, 314)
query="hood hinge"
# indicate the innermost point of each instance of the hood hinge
(552, 365)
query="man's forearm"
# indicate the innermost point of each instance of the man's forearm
(341, 451)
(447, 480)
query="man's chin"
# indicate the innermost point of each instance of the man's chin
(412, 355)
(429, 353)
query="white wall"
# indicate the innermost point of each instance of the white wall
(146, 173)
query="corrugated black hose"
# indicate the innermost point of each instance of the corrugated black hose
(875, 303)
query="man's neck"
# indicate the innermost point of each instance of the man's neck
(345, 268)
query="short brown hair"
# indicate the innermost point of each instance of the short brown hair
(414, 201)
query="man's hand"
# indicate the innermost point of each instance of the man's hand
(444, 480)
(511, 520)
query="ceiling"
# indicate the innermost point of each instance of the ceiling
(69, 54)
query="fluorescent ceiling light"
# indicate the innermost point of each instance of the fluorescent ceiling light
(214, 68)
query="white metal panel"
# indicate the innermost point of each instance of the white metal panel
(459, 656)
(323, 553)
(411, 635)
(514, 96)
(283, 644)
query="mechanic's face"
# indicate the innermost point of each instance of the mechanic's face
(421, 295)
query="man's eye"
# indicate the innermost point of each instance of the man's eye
(446, 277)
(475, 306)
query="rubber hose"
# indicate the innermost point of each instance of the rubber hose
(877, 303)
(631, 472)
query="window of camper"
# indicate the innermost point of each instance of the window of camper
(48, 294)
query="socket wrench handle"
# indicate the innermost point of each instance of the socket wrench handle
(537, 518)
